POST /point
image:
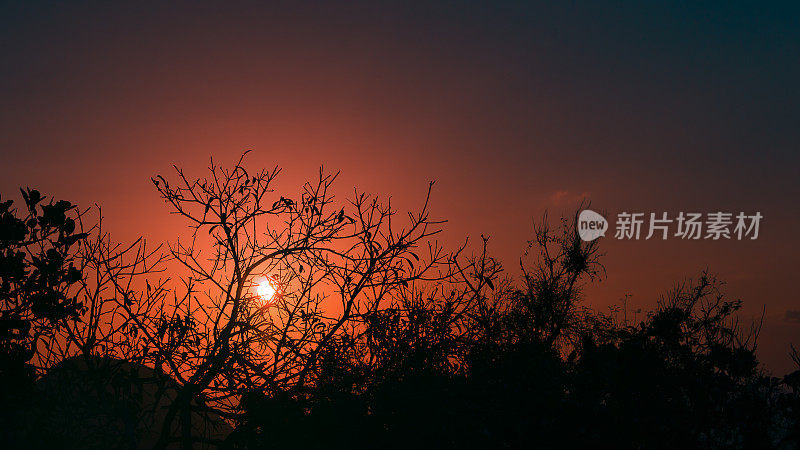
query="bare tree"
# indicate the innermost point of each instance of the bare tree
(328, 262)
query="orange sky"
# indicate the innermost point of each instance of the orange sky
(512, 109)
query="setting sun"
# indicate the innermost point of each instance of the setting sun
(265, 290)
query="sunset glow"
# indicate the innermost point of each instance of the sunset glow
(370, 224)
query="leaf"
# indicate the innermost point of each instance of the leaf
(69, 226)
(35, 196)
(25, 197)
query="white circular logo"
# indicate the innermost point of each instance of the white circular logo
(591, 225)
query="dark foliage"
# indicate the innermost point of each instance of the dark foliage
(423, 348)
(38, 244)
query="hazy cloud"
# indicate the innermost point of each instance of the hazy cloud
(567, 197)
(792, 315)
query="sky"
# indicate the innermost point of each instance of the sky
(514, 108)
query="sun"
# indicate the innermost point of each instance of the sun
(266, 291)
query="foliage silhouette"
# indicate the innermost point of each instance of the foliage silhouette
(38, 268)
(376, 337)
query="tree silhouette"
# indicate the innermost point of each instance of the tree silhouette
(333, 263)
(369, 334)
(38, 263)
(532, 367)
(66, 292)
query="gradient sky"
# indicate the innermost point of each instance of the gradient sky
(513, 108)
